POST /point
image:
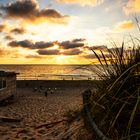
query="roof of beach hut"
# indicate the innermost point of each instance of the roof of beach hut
(6, 74)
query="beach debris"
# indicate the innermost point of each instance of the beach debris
(42, 131)
(23, 131)
(9, 120)
(51, 124)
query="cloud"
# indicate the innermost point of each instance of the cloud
(58, 52)
(8, 37)
(75, 43)
(116, 49)
(133, 6)
(82, 2)
(124, 25)
(89, 56)
(48, 52)
(33, 56)
(29, 10)
(18, 31)
(46, 48)
(108, 53)
(42, 45)
(102, 48)
(79, 40)
(72, 52)
(5, 52)
(2, 27)
(92, 56)
(8, 53)
(71, 44)
(25, 44)
(30, 45)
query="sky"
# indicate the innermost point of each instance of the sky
(63, 31)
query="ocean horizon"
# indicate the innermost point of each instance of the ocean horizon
(49, 71)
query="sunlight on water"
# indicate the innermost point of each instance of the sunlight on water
(49, 72)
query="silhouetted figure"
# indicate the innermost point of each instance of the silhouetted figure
(46, 93)
(41, 87)
(51, 91)
(35, 89)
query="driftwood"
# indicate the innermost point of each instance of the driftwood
(48, 125)
(9, 120)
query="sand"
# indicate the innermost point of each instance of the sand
(33, 108)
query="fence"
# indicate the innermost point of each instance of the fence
(58, 77)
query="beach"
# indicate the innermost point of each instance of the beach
(34, 109)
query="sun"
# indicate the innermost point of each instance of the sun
(61, 59)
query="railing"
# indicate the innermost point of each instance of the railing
(94, 128)
(57, 77)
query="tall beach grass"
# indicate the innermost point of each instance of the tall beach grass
(116, 105)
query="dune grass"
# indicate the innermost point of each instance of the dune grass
(118, 93)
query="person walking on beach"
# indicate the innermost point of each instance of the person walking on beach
(46, 93)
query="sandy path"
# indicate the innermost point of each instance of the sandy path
(36, 109)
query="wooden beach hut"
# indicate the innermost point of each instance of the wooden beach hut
(7, 85)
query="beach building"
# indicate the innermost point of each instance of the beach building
(7, 85)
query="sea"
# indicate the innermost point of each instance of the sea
(50, 72)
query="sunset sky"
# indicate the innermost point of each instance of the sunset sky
(62, 31)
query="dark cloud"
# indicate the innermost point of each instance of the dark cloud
(49, 13)
(71, 44)
(24, 44)
(20, 9)
(30, 45)
(115, 50)
(69, 47)
(72, 52)
(79, 40)
(92, 56)
(42, 45)
(29, 9)
(102, 47)
(2, 27)
(18, 31)
(48, 52)
(8, 37)
(57, 52)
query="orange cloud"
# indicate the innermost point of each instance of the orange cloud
(4, 27)
(8, 53)
(8, 37)
(82, 2)
(124, 25)
(133, 6)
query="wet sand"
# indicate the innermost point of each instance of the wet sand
(33, 108)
